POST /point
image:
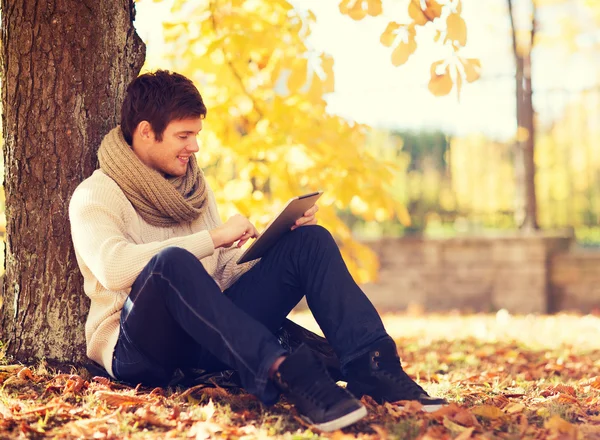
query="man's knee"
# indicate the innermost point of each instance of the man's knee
(174, 253)
(176, 259)
(314, 233)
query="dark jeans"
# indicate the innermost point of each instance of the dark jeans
(177, 317)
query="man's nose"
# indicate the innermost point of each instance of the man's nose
(193, 146)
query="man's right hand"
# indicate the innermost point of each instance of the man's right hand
(237, 228)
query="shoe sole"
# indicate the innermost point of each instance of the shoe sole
(341, 422)
(433, 408)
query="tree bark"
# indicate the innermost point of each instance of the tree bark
(65, 68)
(526, 199)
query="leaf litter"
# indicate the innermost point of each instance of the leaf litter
(499, 386)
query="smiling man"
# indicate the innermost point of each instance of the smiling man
(160, 269)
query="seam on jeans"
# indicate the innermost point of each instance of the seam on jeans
(237, 355)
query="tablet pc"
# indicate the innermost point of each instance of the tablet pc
(292, 211)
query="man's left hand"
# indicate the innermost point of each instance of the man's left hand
(309, 218)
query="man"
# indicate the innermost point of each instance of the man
(160, 269)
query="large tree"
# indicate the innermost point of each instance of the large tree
(65, 67)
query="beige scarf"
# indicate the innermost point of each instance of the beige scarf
(160, 201)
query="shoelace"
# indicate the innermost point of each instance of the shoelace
(323, 392)
(394, 371)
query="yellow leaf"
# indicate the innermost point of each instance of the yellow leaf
(556, 423)
(514, 407)
(440, 85)
(416, 13)
(465, 434)
(455, 427)
(374, 8)
(298, 76)
(458, 85)
(433, 10)
(327, 66)
(401, 53)
(456, 29)
(344, 7)
(404, 49)
(472, 68)
(389, 35)
(488, 412)
(237, 189)
(357, 12)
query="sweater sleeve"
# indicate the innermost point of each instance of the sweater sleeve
(227, 271)
(98, 216)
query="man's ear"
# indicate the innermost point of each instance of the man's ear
(145, 131)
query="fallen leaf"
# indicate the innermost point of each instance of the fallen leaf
(119, 399)
(487, 411)
(513, 408)
(452, 426)
(557, 424)
(465, 434)
(25, 374)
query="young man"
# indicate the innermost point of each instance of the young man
(160, 269)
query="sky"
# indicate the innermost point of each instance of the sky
(370, 90)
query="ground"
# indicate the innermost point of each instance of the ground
(507, 377)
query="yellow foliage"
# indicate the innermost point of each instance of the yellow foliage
(359, 9)
(401, 37)
(456, 29)
(472, 68)
(405, 48)
(267, 136)
(440, 84)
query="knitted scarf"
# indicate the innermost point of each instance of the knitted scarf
(160, 201)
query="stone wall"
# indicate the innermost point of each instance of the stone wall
(575, 281)
(521, 273)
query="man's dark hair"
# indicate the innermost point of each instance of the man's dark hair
(159, 98)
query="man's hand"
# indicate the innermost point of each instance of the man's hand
(237, 228)
(309, 218)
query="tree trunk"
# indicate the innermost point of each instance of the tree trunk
(65, 66)
(526, 199)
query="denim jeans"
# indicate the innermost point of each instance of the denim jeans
(177, 317)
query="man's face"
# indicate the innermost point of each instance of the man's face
(171, 155)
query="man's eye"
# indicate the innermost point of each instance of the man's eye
(182, 136)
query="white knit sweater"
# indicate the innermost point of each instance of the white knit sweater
(113, 244)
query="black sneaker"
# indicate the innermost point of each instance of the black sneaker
(379, 374)
(321, 402)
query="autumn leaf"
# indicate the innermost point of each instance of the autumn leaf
(298, 76)
(488, 412)
(456, 29)
(559, 425)
(472, 67)
(440, 85)
(359, 9)
(421, 16)
(432, 10)
(389, 35)
(327, 66)
(119, 399)
(416, 13)
(374, 9)
(405, 48)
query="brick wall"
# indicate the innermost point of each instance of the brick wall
(524, 274)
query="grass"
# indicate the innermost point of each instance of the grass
(507, 377)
